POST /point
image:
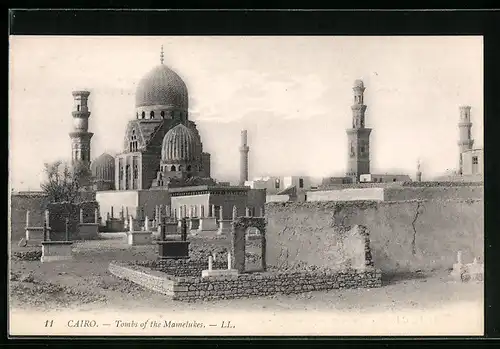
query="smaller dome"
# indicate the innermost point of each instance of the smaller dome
(359, 83)
(180, 144)
(103, 168)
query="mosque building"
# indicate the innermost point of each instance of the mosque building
(470, 158)
(162, 155)
(358, 148)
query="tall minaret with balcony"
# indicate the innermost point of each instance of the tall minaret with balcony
(80, 137)
(244, 148)
(465, 141)
(358, 136)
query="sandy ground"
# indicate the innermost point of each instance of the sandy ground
(436, 303)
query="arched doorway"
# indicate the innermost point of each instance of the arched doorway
(253, 250)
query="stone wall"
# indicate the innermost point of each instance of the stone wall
(150, 279)
(404, 235)
(434, 192)
(59, 211)
(401, 184)
(277, 198)
(347, 194)
(246, 285)
(128, 199)
(35, 202)
(425, 191)
(182, 267)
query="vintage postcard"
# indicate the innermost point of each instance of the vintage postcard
(246, 186)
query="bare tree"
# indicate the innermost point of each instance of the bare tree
(63, 183)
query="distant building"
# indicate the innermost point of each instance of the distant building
(277, 187)
(384, 178)
(358, 136)
(336, 180)
(472, 162)
(276, 184)
(470, 159)
(358, 150)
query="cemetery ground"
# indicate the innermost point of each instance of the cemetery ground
(84, 284)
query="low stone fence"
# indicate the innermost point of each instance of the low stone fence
(150, 279)
(181, 267)
(245, 285)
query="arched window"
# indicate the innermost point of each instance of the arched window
(133, 142)
(127, 176)
(152, 115)
(172, 168)
(179, 168)
(77, 108)
(162, 115)
(188, 168)
(277, 183)
(137, 115)
(143, 115)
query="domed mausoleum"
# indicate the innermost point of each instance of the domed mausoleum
(162, 163)
(103, 172)
(161, 138)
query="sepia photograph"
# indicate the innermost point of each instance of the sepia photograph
(246, 186)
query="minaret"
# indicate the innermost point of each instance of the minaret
(80, 137)
(419, 173)
(244, 158)
(465, 141)
(358, 136)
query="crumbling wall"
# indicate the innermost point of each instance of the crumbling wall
(36, 203)
(404, 235)
(433, 193)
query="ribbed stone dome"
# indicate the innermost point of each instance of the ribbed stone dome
(162, 86)
(103, 168)
(180, 144)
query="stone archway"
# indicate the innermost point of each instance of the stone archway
(238, 241)
(253, 249)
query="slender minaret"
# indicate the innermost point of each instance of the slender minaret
(465, 141)
(419, 173)
(244, 158)
(358, 136)
(80, 137)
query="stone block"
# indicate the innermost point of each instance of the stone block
(194, 223)
(208, 224)
(135, 238)
(225, 227)
(54, 251)
(173, 249)
(115, 225)
(88, 231)
(34, 235)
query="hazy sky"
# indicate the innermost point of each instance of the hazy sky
(293, 94)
